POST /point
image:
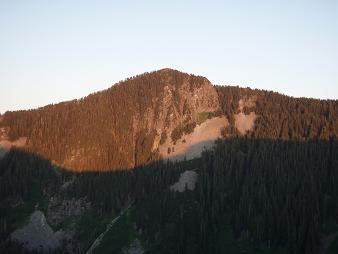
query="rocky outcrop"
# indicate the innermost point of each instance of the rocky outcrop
(38, 235)
(164, 113)
(187, 181)
(191, 145)
(178, 103)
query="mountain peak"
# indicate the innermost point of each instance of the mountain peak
(166, 113)
(172, 74)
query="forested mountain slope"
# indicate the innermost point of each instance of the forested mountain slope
(267, 185)
(249, 196)
(116, 128)
(164, 114)
(280, 116)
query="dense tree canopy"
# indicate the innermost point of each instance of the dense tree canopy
(267, 192)
(98, 132)
(273, 188)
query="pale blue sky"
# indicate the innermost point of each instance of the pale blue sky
(52, 51)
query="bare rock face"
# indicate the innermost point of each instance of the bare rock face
(191, 145)
(177, 103)
(187, 181)
(163, 114)
(180, 103)
(38, 235)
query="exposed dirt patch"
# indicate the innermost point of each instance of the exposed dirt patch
(191, 145)
(20, 142)
(187, 181)
(245, 123)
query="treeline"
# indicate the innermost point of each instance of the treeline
(270, 193)
(100, 131)
(283, 117)
(111, 129)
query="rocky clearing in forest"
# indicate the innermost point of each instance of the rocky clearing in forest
(187, 181)
(191, 145)
(38, 235)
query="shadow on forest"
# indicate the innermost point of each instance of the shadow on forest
(269, 171)
(192, 153)
(2, 152)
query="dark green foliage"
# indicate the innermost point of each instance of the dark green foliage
(20, 170)
(120, 235)
(283, 117)
(279, 192)
(329, 228)
(333, 248)
(90, 225)
(269, 192)
(11, 248)
(26, 181)
(252, 196)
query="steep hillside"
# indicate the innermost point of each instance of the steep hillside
(269, 185)
(118, 128)
(272, 115)
(166, 114)
(245, 196)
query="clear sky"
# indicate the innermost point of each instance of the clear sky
(52, 51)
